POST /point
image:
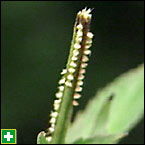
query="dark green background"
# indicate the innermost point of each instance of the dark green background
(36, 38)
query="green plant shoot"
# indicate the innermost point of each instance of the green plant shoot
(70, 84)
(110, 115)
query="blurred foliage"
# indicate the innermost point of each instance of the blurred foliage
(36, 38)
(113, 112)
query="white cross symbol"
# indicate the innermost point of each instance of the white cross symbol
(8, 136)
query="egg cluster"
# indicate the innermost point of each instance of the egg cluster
(56, 106)
(85, 14)
(75, 71)
(83, 62)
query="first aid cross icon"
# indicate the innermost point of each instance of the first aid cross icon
(8, 136)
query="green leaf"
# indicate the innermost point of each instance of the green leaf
(113, 111)
(128, 105)
(101, 139)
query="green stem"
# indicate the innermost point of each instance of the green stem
(72, 80)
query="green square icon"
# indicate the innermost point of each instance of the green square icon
(8, 136)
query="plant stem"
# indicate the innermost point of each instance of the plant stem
(70, 85)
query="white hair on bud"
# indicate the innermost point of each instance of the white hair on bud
(49, 138)
(78, 89)
(85, 13)
(59, 94)
(71, 70)
(80, 82)
(81, 77)
(75, 52)
(53, 125)
(79, 33)
(77, 46)
(87, 46)
(61, 88)
(73, 64)
(84, 65)
(70, 77)
(77, 96)
(56, 106)
(68, 83)
(51, 129)
(74, 58)
(89, 41)
(54, 114)
(62, 81)
(64, 71)
(80, 26)
(53, 120)
(90, 35)
(82, 71)
(75, 103)
(87, 52)
(79, 39)
(85, 59)
(57, 101)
